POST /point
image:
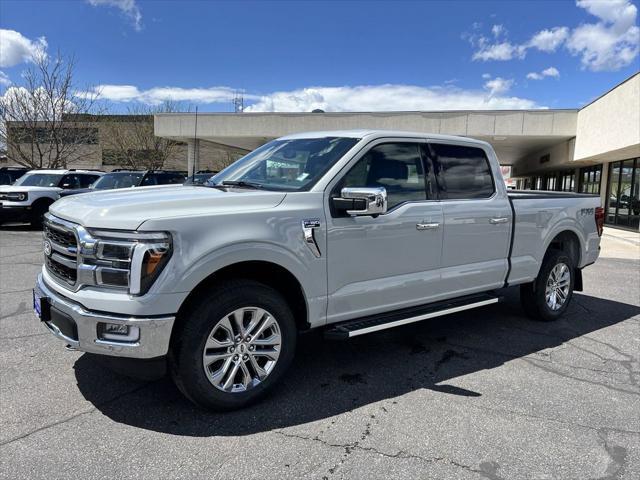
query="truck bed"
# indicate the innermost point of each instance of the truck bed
(538, 216)
(533, 194)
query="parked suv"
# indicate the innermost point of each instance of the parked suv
(350, 232)
(8, 175)
(30, 196)
(123, 178)
(200, 177)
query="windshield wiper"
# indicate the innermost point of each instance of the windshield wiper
(242, 183)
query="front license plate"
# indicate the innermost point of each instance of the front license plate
(37, 304)
(41, 306)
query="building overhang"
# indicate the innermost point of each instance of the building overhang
(514, 134)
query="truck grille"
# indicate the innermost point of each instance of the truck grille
(62, 261)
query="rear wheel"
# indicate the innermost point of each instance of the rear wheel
(549, 295)
(235, 346)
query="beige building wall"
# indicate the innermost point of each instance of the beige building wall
(609, 128)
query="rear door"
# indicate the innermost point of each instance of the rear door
(390, 261)
(477, 218)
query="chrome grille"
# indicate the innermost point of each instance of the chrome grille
(62, 259)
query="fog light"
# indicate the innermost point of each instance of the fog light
(118, 332)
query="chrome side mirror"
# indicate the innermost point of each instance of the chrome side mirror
(362, 201)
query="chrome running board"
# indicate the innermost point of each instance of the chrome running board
(362, 326)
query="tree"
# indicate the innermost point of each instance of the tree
(44, 122)
(130, 138)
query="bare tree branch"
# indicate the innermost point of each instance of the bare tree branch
(132, 139)
(44, 122)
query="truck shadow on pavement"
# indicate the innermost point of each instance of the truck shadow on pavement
(331, 378)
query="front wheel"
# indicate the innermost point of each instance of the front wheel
(235, 345)
(549, 295)
(37, 214)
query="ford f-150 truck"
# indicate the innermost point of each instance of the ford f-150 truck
(349, 231)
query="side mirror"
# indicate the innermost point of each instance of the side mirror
(362, 201)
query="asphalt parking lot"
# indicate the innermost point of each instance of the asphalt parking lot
(485, 394)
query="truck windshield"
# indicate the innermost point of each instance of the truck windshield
(285, 164)
(117, 180)
(39, 180)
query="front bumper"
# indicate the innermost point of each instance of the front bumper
(9, 213)
(79, 327)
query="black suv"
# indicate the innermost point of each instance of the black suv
(123, 178)
(8, 175)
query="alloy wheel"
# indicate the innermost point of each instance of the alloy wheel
(558, 284)
(242, 349)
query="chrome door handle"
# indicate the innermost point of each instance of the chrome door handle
(427, 226)
(496, 221)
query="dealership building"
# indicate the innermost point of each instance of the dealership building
(593, 149)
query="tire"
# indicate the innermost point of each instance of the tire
(208, 323)
(533, 296)
(37, 214)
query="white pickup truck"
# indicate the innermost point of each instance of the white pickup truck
(348, 231)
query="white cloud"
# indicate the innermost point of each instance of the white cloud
(15, 48)
(498, 85)
(547, 72)
(499, 51)
(386, 98)
(334, 99)
(4, 79)
(611, 43)
(128, 7)
(549, 40)
(498, 30)
(551, 72)
(157, 95)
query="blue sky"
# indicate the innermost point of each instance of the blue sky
(296, 56)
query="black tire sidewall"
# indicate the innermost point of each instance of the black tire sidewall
(186, 359)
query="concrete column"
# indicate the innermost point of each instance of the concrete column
(193, 156)
(604, 179)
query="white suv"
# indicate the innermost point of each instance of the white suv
(28, 199)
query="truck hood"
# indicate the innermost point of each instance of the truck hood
(128, 208)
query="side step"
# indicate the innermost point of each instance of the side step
(360, 326)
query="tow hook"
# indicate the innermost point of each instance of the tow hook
(69, 348)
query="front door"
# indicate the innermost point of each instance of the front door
(390, 261)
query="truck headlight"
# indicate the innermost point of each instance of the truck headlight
(17, 196)
(131, 260)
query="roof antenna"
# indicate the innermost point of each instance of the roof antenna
(196, 147)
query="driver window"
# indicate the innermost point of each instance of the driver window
(395, 166)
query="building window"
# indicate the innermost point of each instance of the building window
(566, 181)
(623, 194)
(590, 179)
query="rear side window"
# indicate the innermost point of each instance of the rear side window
(461, 172)
(86, 180)
(70, 181)
(395, 166)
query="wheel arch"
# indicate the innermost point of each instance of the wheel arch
(568, 241)
(266, 272)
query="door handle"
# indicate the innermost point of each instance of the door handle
(427, 226)
(496, 221)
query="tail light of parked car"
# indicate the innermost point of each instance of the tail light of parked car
(599, 220)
